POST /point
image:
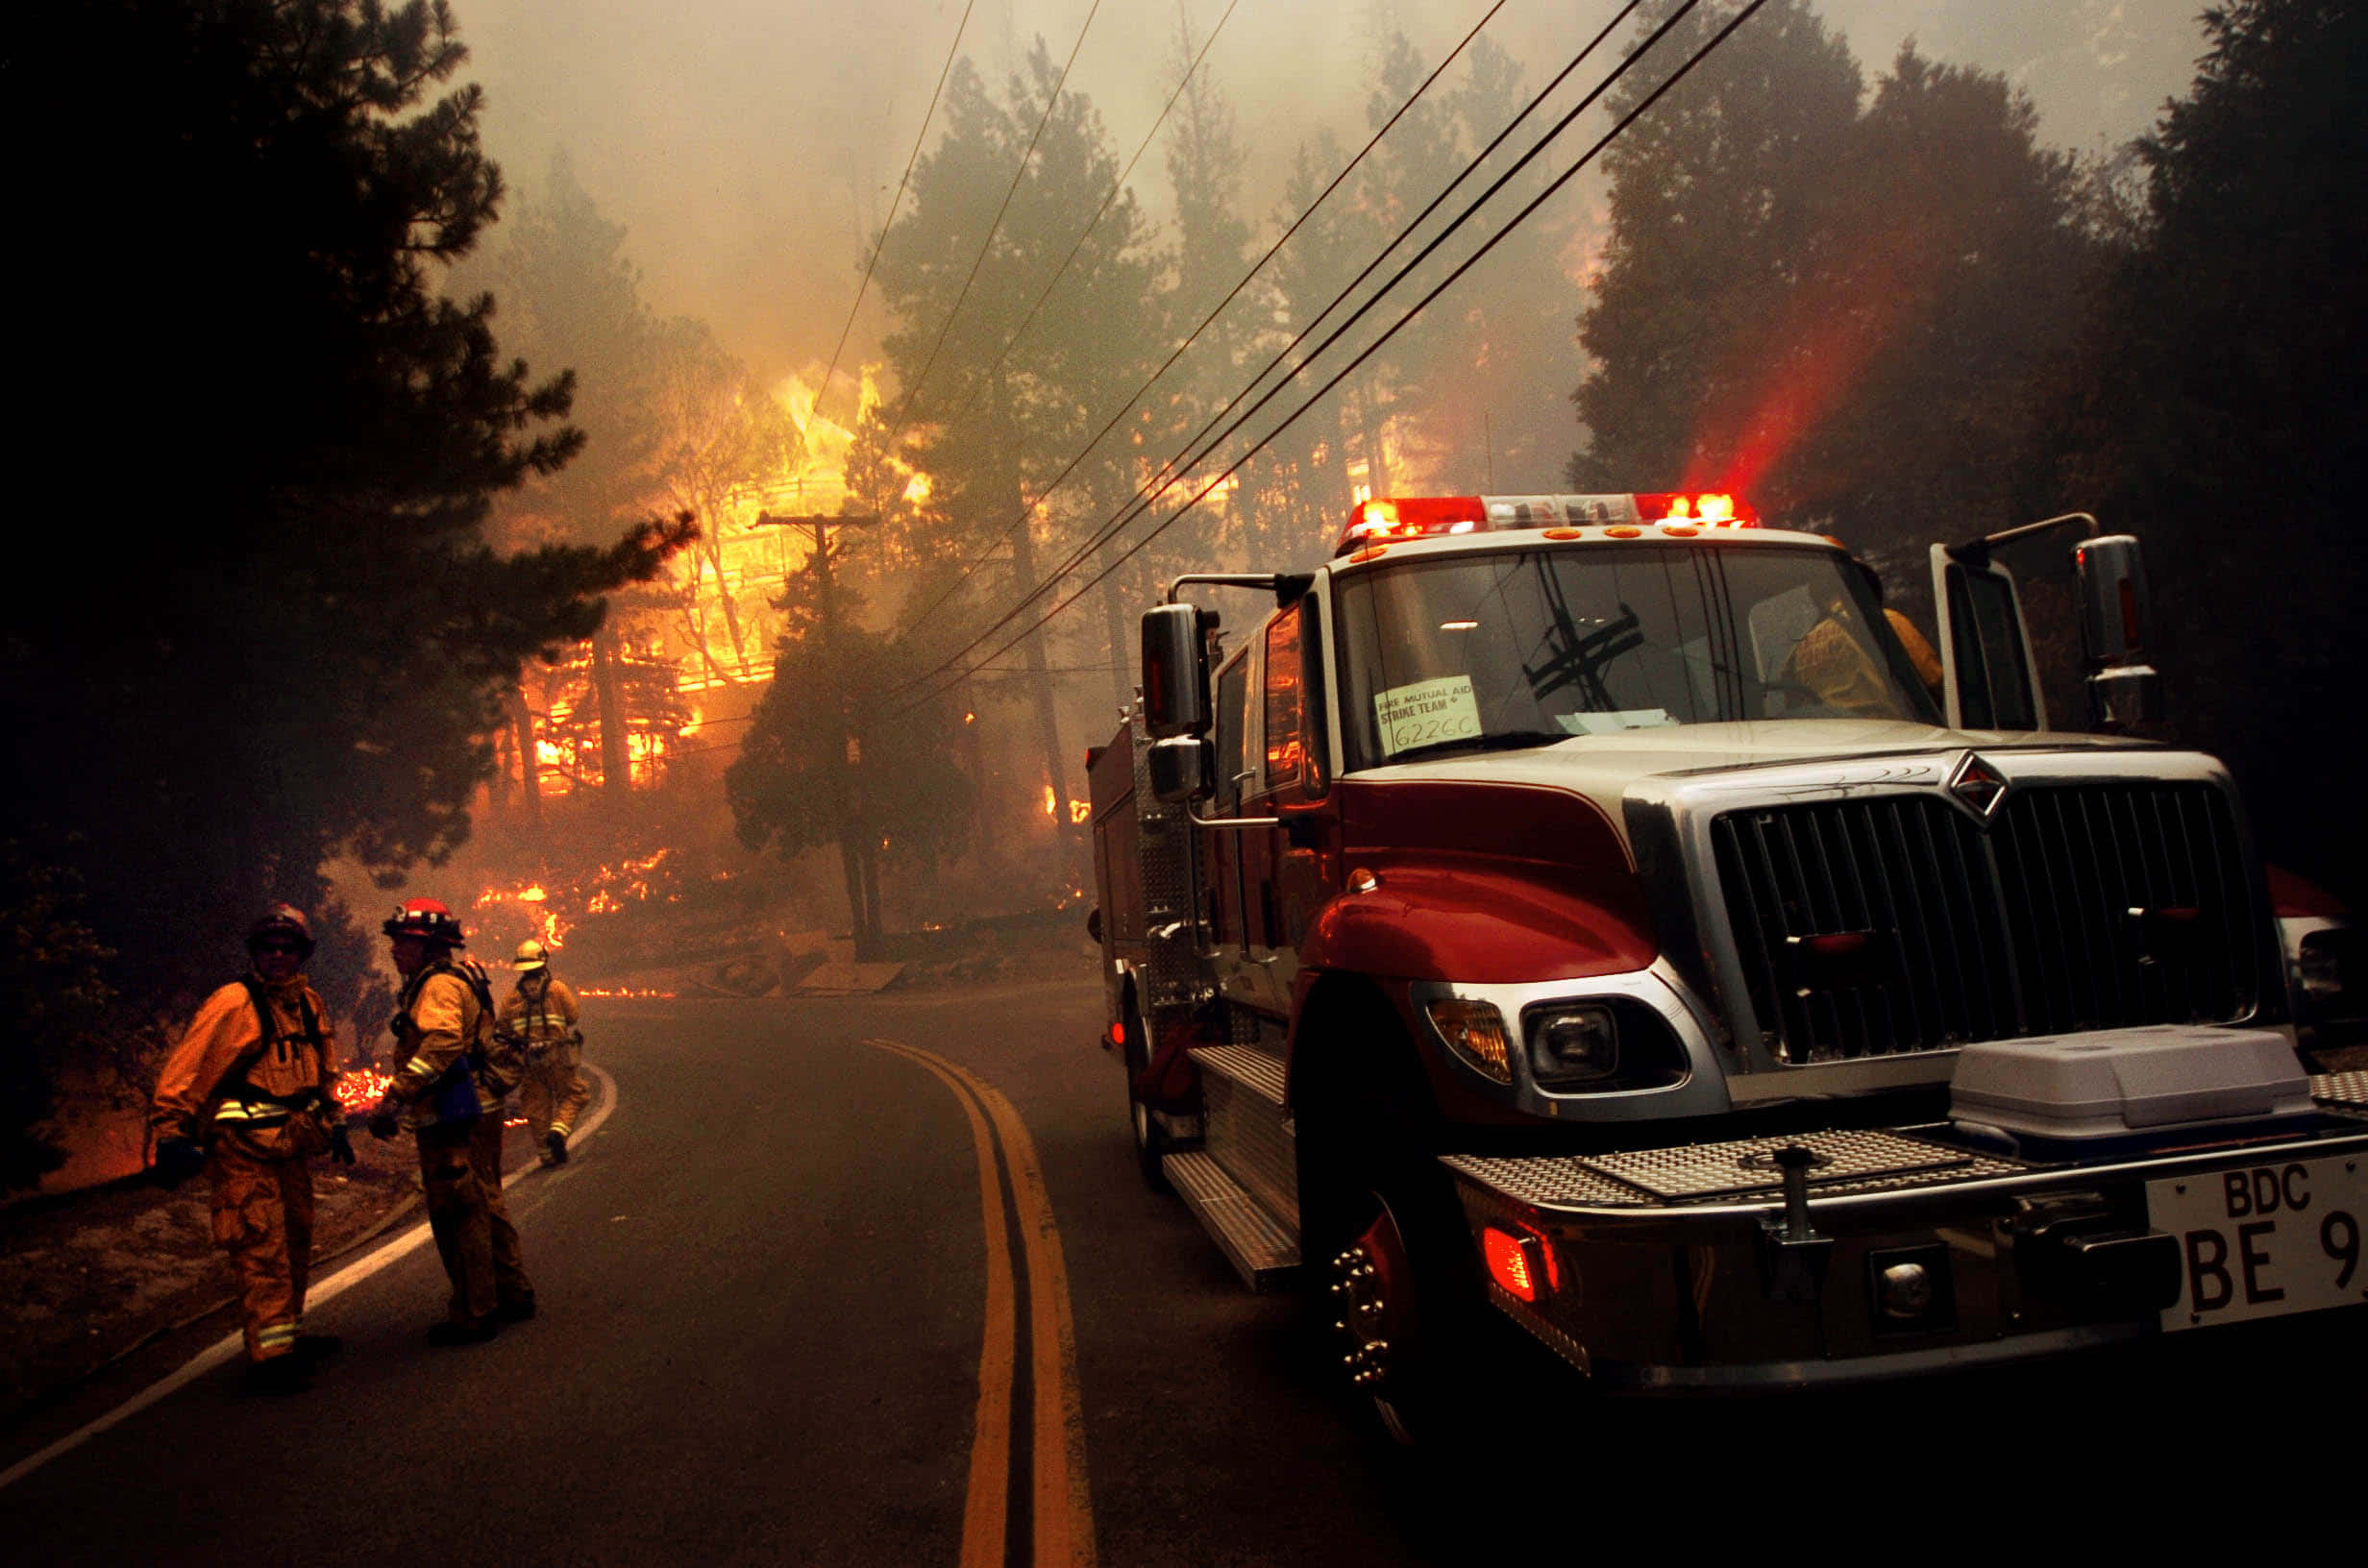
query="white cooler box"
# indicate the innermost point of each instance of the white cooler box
(2119, 1083)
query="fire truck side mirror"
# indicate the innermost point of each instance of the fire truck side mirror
(1182, 768)
(2115, 620)
(1175, 671)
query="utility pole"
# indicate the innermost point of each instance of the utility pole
(858, 856)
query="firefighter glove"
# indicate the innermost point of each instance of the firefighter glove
(340, 1144)
(177, 1161)
(384, 1119)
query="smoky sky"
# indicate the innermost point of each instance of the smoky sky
(751, 147)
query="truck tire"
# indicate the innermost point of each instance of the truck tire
(1151, 1139)
(1387, 1237)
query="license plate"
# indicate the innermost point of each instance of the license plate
(2263, 1241)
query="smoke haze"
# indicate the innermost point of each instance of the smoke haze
(751, 147)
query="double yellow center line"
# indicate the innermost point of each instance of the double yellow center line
(1047, 1522)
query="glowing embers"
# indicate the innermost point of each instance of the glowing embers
(1411, 517)
(358, 1090)
(1519, 1264)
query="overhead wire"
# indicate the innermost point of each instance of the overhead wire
(1750, 9)
(952, 53)
(1030, 509)
(1146, 495)
(912, 393)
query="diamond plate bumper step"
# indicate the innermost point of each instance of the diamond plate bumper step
(1262, 1249)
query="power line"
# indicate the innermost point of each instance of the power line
(1116, 188)
(1146, 494)
(1151, 486)
(873, 260)
(1741, 16)
(912, 393)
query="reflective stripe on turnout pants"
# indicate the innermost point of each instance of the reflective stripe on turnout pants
(461, 1167)
(555, 1092)
(263, 1217)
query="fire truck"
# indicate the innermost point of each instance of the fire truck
(1601, 912)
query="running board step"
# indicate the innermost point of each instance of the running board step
(1262, 1249)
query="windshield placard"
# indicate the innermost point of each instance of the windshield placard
(1426, 713)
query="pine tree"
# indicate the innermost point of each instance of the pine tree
(275, 630)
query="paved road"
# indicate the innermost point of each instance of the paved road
(874, 1281)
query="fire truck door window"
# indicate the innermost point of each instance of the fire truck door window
(1993, 679)
(1232, 692)
(1286, 702)
(1225, 847)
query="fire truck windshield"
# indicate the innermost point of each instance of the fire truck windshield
(1520, 647)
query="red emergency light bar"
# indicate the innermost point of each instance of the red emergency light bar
(1385, 519)
(1709, 509)
(1412, 517)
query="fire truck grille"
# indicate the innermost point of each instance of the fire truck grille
(1897, 924)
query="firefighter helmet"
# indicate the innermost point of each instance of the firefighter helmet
(532, 955)
(282, 920)
(428, 919)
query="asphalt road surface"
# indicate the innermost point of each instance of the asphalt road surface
(874, 1281)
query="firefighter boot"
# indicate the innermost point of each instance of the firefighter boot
(555, 1142)
(280, 1375)
(313, 1349)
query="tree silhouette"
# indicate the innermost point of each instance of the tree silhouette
(2219, 412)
(275, 631)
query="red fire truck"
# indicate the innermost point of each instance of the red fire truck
(1602, 912)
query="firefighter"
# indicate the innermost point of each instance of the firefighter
(451, 1075)
(247, 1096)
(540, 1019)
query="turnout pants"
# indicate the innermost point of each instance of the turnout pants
(263, 1217)
(554, 1091)
(460, 1167)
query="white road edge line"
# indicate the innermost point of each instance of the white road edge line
(393, 1249)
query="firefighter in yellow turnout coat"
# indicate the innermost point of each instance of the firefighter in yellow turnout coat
(541, 1018)
(449, 1085)
(246, 1096)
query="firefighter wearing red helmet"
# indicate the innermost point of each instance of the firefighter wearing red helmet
(451, 1075)
(541, 1016)
(246, 1096)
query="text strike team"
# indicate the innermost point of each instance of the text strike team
(247, 1097)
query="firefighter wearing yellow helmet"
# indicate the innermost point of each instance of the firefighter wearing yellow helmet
(451, 1074)
(247, 1096)
(541, 1018)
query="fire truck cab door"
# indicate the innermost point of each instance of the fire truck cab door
(1278, 877)
(1223, 847)
(1989, 678)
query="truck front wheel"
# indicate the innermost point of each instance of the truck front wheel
(1387, 1234)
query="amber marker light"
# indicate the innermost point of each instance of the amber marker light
(1476, 1031)
(1624, 531)
(1515, 1263)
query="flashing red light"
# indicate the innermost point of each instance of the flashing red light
(1515, 1263)
(1710, 509)
(1118, 1034)
(1412, 516)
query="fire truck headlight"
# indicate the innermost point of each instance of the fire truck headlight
(1476, 1031)
(1594, 1047)
(1574, 1046)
